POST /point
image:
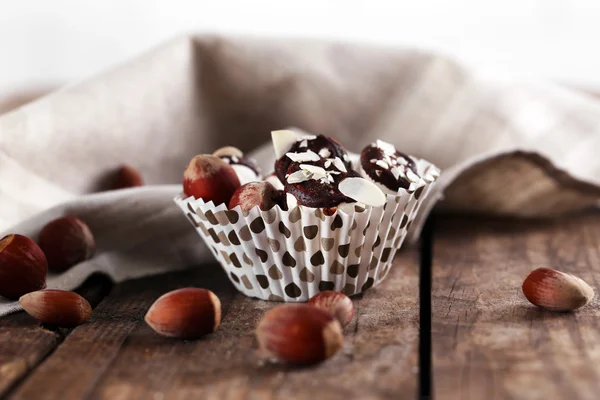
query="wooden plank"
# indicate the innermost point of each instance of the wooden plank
(117, 356)
(488, 341)
(24, 343)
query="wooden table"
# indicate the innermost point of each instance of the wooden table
(472, 335)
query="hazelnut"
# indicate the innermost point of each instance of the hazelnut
(23, 266)
(57, 307)
(261, 194)
(299, 334)
(127, 177)
(556, 291)
(336, 303)
(66, 241)
(187, 313)
(209, 178)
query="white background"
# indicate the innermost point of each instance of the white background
(47, 42)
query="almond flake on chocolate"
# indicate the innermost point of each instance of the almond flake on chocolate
(382, 164)
(317, 172)
(362, 190)
(378, 172)
(396, 172)
(346, 157)
(387, 148)
(324, 152)
(303, 157)
(327, 164)
(328, 179)
(304, 143)
(283, 141)
(298, 176)
(412, 176)
(339, 164)
(432, 171)
(401, 161)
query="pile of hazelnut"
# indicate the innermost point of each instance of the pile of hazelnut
(289, 333)
(61, 244)
(24, 265)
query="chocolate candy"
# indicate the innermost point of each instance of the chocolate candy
(316, 184)
(385, 165)
(311, 149)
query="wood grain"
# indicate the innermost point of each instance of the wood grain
(488, 341)
(24, 343)
(117, 356)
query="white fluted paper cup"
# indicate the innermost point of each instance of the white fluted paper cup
(292, 255)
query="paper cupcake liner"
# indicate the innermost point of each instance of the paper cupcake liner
(292, 255)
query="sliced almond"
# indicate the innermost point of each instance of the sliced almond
(324, 152)
(414, 178)
(339, 164)
(387, 148)
(397, 172)
(363, 191)
(283, 140)
(298, 176)
(303, 157)
(382, 164)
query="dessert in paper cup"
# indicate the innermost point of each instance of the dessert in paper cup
(324, 220)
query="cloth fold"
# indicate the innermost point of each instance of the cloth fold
(508, 148)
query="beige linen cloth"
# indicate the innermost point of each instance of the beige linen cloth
(522, 149)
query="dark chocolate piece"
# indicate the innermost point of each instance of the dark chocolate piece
(324, 146)
(321, 192)
(379, 165)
